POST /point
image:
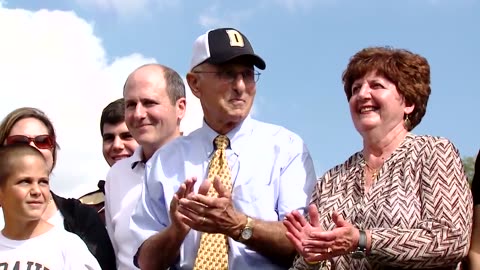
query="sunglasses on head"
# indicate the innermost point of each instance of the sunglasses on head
(40, 141)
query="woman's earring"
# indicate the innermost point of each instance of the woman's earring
(407, 123)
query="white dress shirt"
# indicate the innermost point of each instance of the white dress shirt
(123, 189)
(272, 175)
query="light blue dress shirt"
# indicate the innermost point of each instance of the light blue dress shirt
(272, 175)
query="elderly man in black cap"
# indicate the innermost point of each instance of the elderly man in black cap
(254, 173)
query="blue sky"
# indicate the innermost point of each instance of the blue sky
(306, 45)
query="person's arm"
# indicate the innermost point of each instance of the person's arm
(269, 239)
(443, 230)
(218, 215)
(296, 186)
(160, 249)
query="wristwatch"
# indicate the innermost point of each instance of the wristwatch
(361, 250)
(247, 231)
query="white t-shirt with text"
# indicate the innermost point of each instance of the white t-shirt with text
(55, 249)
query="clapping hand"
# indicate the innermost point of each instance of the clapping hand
(341, 240)
(211, 214)
(315, 244)
(183, 191)
(300, 230)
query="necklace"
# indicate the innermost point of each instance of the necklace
(374, 172)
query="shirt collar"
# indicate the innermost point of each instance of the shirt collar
(237, 136)
(407, 141)
(136, 157)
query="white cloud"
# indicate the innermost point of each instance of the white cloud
(221, 14)
(52, 60)
(215, 17)
(210, 18)
(209, 21)
(128, 7)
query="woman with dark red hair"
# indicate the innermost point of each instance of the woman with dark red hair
(403, 201)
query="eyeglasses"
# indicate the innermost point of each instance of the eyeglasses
(40, 141)
(227, 76)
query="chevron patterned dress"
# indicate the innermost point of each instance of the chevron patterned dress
(419, 211)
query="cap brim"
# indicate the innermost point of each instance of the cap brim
(250, 58)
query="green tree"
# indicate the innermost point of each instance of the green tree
(469, 165)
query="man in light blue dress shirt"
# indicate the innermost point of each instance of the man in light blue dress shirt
(272, 171)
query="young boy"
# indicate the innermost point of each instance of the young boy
(27, 241)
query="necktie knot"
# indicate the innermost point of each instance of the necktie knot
(221, 142)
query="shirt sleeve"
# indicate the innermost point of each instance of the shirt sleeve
(297, 179)
(151, 214)
(442, 235)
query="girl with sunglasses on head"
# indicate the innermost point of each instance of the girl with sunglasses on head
(31, 126)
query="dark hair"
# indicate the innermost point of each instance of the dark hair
(174, 83)
(27, 112)
(408, 71)
(9, 155)
(113, 114)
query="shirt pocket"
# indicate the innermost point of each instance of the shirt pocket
(254, 200)
(250, 192)
(255, 189)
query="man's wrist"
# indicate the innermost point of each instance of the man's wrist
(247, 232)
(177, 232)
(237, 230)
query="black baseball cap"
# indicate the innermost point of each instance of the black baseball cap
(220, 45)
